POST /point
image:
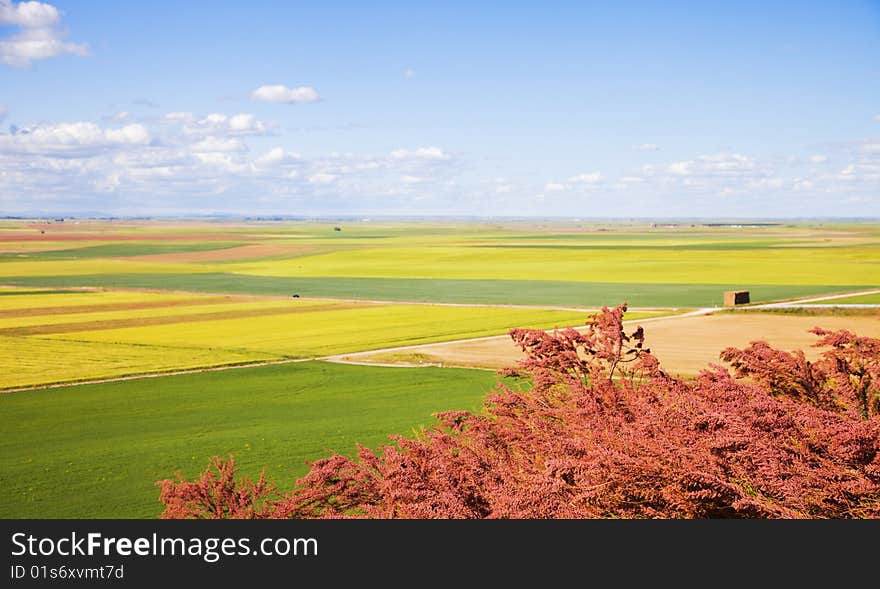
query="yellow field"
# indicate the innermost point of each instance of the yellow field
(84, 298)
(59, 337)
(26, 361)
(829, 266)
(337, 329)
(197, 306)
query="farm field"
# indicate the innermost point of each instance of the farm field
(88, 300)
(523, 263)
(47, 339)
(97, 450)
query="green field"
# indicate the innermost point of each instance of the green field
(116, 250)
(871, 299)
(96, 450)
(524, 292)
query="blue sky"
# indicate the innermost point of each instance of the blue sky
(606, 109)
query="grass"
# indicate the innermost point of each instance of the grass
(871, 299)
(95, 451)
(119, 250)
(101, 266)
(526, 292)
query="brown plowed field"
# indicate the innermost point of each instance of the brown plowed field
(684, 345)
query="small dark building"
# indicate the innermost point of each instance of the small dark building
(736, 297)
(337, 228)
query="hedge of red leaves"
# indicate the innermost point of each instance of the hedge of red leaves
(604, 432)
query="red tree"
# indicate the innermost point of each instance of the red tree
(604, 432)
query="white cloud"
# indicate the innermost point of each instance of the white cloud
(764, 183)
(120, 116)
(591, 178)
(322, 178)
(714, 165)
(217, 144)
(244, 122)
(183, 163)
(3, 112)
(876, 117)
(72, 137)
(178, 117)
(407, 73)
(280, 93)
(238, 125)
(129, 134)
(426, 153)
(276, 156)
(646, 147)
(679, 168)
(746, 185)
(217, 162)
(578, 182)
(39, 34)
(126, 168)
(28, 14)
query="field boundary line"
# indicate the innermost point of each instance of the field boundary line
(59, 385)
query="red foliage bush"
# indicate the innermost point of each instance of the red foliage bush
(604, 432)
